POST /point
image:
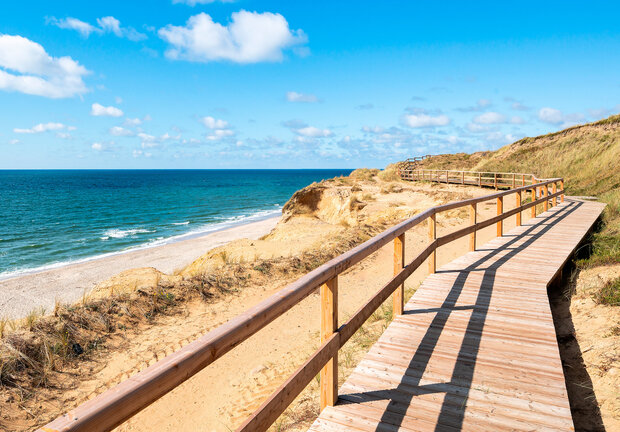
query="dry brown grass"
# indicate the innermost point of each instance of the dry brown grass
(367, 174)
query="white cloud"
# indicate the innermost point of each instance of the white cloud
(43, 127)
(313, 132)
(136, 121)
(250, 37)
(425, 120)
(84, 28)
(138, 153)
(481, 104)
(519, 106)
(490, 118)
(146, 137)
(110, 24)
(121, 131)
(220, 134)
(149, 141)
(373, 129)
(300, 97)
(14, 141)
(473, 127)
(100, 110)
(550, 115)
(107, 24)
(37, 72)
(517, 120)
(97, 146)
(213, 123)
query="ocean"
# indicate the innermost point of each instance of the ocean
(49, 218)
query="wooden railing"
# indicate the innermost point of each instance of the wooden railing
(119, 403)
(498, 180)
(410, 163)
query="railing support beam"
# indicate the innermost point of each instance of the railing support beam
(398, 298)
(432, 235)
(472, 221)
(329, 325)
(554, 189)
(518, 203)
(500, 210)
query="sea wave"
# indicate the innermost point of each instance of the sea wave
(120, 233)
(229, 222)
(180, 223)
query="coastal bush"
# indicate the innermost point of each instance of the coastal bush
(367, 174)
(389, 174)
(609, 293)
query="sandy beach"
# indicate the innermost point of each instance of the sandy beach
(21, 294)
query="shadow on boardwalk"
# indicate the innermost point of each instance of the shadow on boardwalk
(452, 411)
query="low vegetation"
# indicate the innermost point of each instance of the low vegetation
(586, 156)
(609, 293)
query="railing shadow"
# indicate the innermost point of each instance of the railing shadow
(453, 408)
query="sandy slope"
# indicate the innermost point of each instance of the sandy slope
(223, 395)
(22, 294)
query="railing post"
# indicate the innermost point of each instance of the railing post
(495, 180)
(432, 235)
(447, 178)
(329, 325)
(513, 181)
(522, 179)
(518, 197)
(398, 298)
(546, 194)
(562, 187)
(533, 192)
(479, 179)
(554, 189)
(533, 179)
(500, 210)
(472, 221)
(462, 177)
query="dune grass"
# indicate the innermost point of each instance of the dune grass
(586, 156)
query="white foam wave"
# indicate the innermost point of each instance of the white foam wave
(119, 233)
(180, 223)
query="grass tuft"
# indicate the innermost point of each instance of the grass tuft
(609, 293)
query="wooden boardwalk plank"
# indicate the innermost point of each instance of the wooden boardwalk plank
(476, 347)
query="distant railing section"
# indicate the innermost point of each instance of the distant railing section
(410, 163)
(498, 180)
(119, 403)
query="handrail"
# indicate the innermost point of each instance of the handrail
(476, 178)
(121, 402)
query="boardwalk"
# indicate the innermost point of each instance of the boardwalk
(476, 347)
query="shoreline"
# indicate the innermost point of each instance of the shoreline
(25, 292)
(200, 232)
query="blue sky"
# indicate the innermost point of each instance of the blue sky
(245, 84)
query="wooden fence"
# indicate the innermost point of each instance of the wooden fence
(498, 180)
(119, 403)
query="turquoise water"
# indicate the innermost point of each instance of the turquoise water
(49, 218)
